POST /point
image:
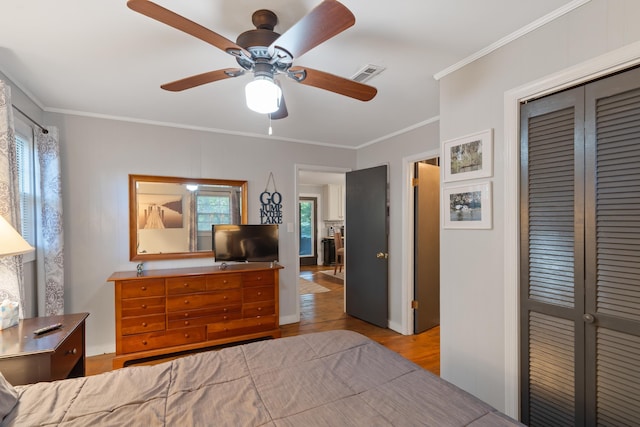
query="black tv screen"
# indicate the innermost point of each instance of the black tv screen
(246, 242)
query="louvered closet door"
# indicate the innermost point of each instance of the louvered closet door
(613, 249)
(552, 260)
(580, 255)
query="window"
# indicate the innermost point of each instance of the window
(26, 184)
(213, 209)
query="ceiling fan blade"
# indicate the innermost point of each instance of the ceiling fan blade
(201, 79)
(159, 13)
(333, 83)
(326, 20)
(282, 111)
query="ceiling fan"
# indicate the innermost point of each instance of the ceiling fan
(266, 53)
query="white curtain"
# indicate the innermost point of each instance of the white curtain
(11, 273)
(50, 247)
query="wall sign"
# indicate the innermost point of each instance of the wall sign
(271, 204)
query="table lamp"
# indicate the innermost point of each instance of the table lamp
(11, 243)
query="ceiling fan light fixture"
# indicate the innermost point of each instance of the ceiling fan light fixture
(263, 95)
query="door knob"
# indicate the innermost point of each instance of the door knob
(588, 318)
(382, 255)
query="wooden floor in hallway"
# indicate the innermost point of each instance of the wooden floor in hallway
(323, 312)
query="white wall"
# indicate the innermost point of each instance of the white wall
(394, 153)
(97, 157)
(472, 262)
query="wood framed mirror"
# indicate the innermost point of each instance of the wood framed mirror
(171, 217)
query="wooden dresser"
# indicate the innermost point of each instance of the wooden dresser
(174, 310)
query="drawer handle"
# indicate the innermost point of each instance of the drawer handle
(259, 308)
(186, 323)
(144, 342)
(186, 301)
(144, 288)
(74, 351)
(186, 285)
(225, 297)
(144, 324)
(144, 305)
(226, 310)
(225, 281)
(186, 335)
(259, 277)
(225, 317)
(186, 315)
(259, 293)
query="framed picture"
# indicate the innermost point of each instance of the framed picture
(157, 211)
(469, 157)
(467, 206)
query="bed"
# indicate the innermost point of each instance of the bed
(320, 379)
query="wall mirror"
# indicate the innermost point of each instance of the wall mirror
(171, 217)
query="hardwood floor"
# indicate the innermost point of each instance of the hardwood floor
(324, 312)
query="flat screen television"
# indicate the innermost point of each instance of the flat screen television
(245, 242)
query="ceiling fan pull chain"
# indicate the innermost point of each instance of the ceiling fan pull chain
(270, 128)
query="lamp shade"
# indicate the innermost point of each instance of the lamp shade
(11, 242)
(263, 95)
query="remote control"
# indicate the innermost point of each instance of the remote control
(47, 328)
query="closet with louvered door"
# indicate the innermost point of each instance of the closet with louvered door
(580, 255)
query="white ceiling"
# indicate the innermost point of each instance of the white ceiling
(100, 58)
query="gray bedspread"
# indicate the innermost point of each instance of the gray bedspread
(336, 378)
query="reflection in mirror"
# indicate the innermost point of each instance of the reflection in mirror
(171, 218)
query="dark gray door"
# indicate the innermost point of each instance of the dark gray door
(552, 260)
(426, 313)
(366, 229)
(580, 275)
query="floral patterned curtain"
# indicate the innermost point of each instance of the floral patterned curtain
(11, 273)
(49, 216)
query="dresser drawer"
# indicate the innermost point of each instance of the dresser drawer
(142, 306)
(183, 285)
(257, 278)
(240, 327)
(202, 300)
(201, 312)
(236, 313)
(142, 288)
(253, 294)
(140, 324)
(67, 355)
(260, 308)
(223, 281)
(155, 340)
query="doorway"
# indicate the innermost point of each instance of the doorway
(307, 226)
(314, 182)
(426, 236)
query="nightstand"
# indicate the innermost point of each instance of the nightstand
(26, 358)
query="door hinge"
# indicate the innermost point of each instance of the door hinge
(415, 182)
(414, 304)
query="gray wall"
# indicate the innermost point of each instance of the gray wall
(98, 155)
(472, 267)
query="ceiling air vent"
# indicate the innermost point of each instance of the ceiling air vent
(367, 73)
